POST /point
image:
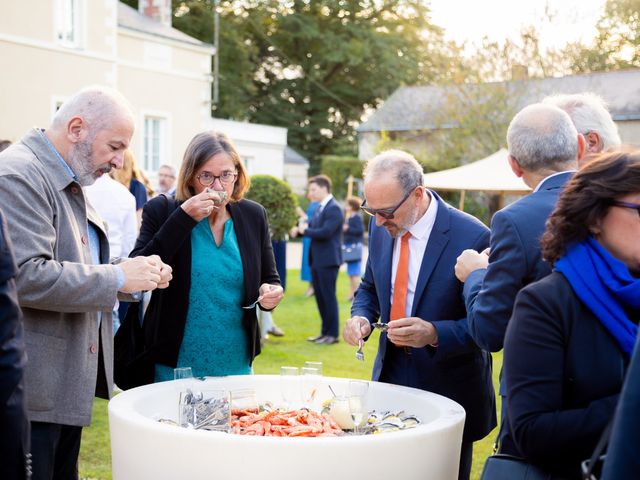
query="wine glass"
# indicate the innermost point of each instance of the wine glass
(316, 365)
(358, 402)
(290, 386)
(182, 373)
(309, 385)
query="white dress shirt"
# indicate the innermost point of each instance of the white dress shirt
(117, 207)
(420, 233)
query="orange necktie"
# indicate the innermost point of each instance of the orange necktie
(401, 284)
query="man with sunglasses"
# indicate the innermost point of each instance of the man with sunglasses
(409, 284)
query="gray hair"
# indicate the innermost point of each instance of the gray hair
(402, 165)
(542, 137)
(589, 113)
(169, 167)
(97, 105)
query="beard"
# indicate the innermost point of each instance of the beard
(397, 230)
(81, 162)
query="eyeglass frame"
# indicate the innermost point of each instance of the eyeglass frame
(632, 206)
(219, 177)
(386, 213)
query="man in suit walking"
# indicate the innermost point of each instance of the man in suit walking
(325, 255)
(14, 425)
(66, 286)
(408, 283)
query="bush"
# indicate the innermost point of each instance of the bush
(278, 199)
(338, 169)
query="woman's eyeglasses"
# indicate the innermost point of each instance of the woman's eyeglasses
(207, 178)
(386, 213)
(633, 206)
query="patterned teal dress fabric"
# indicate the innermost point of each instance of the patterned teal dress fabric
(214, 342)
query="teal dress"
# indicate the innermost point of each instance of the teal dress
(215, 342)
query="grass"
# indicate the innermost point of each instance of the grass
(299, 318)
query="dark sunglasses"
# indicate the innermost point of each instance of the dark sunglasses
(386, 213)
(633, 206)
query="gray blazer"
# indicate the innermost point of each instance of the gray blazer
(59, 290)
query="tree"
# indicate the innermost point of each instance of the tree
(617, 43)
(278, 199)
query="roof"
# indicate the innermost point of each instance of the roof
(132, 19)
(420, 107)
(291, 156)
(491, 174)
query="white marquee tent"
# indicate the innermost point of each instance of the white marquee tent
(491, 174)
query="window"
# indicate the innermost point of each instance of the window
(68, 22)
(154, 143)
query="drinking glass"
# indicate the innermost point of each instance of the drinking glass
(290, 386)
(316, 365)
(182, 372)
(309, 385)
(212, 410)
(358, 402)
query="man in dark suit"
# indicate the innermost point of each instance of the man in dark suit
(325, 255)
(408, 283)
(544, 147)
(14, 426)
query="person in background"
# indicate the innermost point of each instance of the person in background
(15, 458)
(219, 246)
(325, 256)
(166, 180)
(132, 179)
(4, 144)
(414, 239)
(572, 333)
(589, 114)
(353, 231)
(303, 222)
(117, 207)
(66, 286)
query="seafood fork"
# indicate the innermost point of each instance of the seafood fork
(248, 307)
(359, 354)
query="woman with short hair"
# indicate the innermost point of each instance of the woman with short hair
(219, 247)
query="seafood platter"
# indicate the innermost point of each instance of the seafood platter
(174, 430)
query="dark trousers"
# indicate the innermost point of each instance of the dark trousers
(14, 437)
(466, 457)
(54, 450)
(324, 284)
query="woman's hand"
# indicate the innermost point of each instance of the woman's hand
(271, 295)
(201, 205)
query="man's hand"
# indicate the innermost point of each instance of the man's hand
(166, 273)
(143, 273)
(412, 332)
(355, 330)
(271, 295)
(470, 260)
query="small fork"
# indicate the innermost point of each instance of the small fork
(249, 307)
(359, 353)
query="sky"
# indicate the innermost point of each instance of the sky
(470, 20)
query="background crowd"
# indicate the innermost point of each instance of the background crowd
(554, 281)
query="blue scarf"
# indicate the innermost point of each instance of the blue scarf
(605, 286)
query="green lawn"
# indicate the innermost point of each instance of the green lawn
(299, 318)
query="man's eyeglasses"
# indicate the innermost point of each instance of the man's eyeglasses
(386, 213)
(633, 206)
(207, 178)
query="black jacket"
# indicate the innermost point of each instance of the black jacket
(563, 373)
(166, 231)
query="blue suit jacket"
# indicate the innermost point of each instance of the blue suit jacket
(325, 232)
(457, 368)
(515, 261)
(623, 460)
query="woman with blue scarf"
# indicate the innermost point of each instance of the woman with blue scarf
(571, 334)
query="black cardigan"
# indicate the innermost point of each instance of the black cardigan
(166, 231)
